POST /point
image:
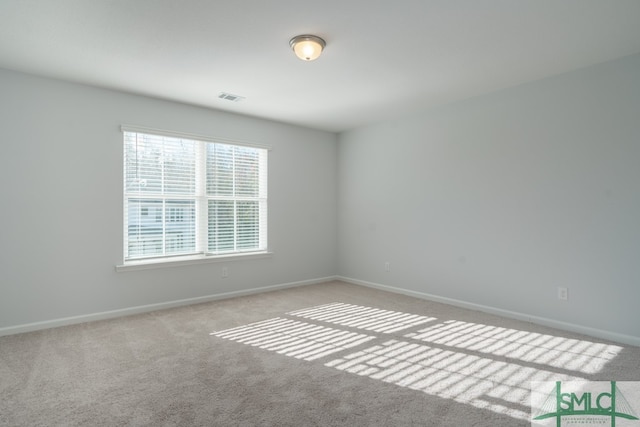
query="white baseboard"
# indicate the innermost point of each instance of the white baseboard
(35, 326)
(593, 332)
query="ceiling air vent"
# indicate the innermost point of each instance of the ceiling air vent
(230, 97)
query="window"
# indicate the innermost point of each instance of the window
(191, 197)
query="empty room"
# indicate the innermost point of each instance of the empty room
(349, 213)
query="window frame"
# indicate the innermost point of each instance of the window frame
(201, 197)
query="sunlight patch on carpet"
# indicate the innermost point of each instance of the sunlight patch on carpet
(367, 318)
(499, 386)
(548, 350)
(485, 366)
(293, 338)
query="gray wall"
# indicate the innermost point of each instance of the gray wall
(61, 216)
(495, 201)
(500, 199)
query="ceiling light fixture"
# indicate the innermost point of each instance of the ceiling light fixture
(307, 47)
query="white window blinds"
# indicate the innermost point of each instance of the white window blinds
(186, 196)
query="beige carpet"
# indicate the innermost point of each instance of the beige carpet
(324, 355)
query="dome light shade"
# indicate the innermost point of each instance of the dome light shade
(307, 47)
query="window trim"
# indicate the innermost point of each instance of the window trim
(194, 136)
(188, 259)
(179, 261)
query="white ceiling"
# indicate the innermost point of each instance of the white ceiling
(383, 57)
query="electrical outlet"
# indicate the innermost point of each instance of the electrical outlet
(563, 293)
(225, 272)
(387, 266)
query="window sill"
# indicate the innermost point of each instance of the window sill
(149, 264)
